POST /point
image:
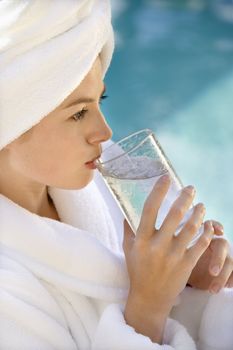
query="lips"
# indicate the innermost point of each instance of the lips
(91, 164)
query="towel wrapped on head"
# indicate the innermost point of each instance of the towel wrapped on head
(46, 49)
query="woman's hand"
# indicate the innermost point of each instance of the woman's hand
(214, 269)
(159, 263)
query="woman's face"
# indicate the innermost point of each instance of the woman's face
(54, 152)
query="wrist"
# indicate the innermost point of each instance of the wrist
(146, 319)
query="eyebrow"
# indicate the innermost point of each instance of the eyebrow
(83, 99)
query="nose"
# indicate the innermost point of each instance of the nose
(101, 130)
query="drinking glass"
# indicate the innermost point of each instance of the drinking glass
(131, 167)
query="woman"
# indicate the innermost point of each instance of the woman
(66, 283)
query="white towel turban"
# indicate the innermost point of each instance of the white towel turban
(46, 49)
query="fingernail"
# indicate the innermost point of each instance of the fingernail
(219, 227)
(189, 189)
(215, 270)
(215, 288)
(201, 207)
(164, 178)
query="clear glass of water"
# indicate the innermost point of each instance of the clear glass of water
(130, 168)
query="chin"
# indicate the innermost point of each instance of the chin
(87, 180)
(75, 182)
(79, 183)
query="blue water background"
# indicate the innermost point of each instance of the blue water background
(172, 72)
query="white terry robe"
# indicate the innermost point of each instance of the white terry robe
(63, 284)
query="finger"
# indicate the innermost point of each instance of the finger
(219, 251)
(218, 228)
(151, 207)
(220, 281)
(194, 253)
(192, 226)
(128, 238)
(229, 283)
(177, 211)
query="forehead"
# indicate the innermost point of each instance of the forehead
(89, 86)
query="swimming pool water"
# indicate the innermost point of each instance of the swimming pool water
(172, 72)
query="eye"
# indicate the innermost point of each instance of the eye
(102, 98)
(79, 115)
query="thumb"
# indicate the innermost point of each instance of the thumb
(129, 237)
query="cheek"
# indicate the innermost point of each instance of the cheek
(55, 158)
(46, 156)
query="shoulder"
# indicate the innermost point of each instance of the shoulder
(19, 286)
(23, 295)
(29, 315)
